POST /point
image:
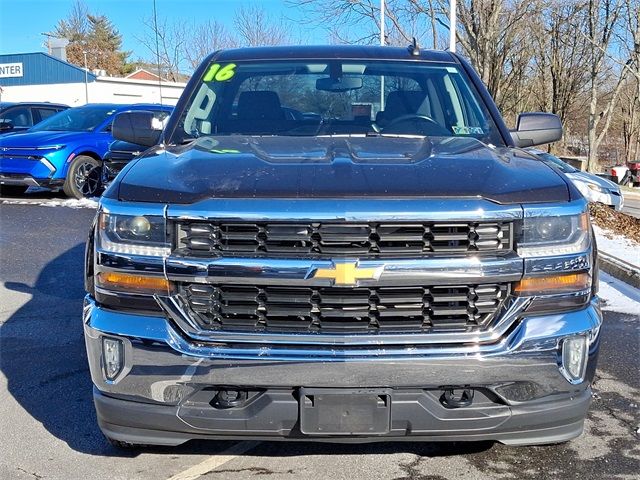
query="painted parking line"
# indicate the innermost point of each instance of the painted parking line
(216, 461)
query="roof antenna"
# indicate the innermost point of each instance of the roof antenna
(414, 48)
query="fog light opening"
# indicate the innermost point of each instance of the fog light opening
(112, 357)
(574, 358)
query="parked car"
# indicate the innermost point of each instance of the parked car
(62, 151)
(414, 276)
(594, 188)
(621, 174)
(18, 117)
(634, 168)
(121, 153)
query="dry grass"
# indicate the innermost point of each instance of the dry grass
(616, 222)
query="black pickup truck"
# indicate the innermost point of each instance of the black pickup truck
(340, 243)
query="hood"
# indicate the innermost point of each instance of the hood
(338, 167)
(591, 178)
(39, 139)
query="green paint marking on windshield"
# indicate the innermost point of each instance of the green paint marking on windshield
(220, 73)
(226, 150)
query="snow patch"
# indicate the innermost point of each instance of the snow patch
(618, 296)
(68, 202)
(73, 203)
(618, 246)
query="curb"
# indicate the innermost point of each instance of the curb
(619, 269)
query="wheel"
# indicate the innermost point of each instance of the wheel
(13, 190)
(83, 177)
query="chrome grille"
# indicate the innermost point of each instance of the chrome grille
(344, 310)
(331, 239)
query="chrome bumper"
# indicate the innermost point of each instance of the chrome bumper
(161, 366)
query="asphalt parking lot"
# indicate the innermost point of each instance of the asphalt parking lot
(632, 206)
(47, 422)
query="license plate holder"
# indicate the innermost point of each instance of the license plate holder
(345, 412)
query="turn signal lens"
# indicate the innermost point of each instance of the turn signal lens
(553, 284)
(126, 282)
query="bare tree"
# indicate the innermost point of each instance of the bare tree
(561, 57)
(255, 27)
(165, 41)
(630, 101)
(603, 20)
(206, 38)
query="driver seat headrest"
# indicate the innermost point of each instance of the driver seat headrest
(260, 105)
(401, 102)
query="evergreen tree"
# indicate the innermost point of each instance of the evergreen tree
(96, 36)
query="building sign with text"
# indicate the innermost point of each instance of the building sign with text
(10, 70)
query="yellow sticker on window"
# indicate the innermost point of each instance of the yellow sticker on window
(219, 73)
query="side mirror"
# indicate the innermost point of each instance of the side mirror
(6, 125)
(139, 127)
(536, 129)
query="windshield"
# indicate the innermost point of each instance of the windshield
(79, 119)
(333, 97)
(559, 164)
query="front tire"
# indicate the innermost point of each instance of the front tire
(83, 177)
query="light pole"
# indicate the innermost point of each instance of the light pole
(86, 78)
(383, 43)
(452, 25)
(48, 36)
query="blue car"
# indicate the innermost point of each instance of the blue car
(18, 117)
(63, 151)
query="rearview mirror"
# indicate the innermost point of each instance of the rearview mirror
(137, 127)
(342, 84)
(536, 129)
(6, 125)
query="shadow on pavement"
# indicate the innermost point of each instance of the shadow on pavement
(44, 360)
(43, 355)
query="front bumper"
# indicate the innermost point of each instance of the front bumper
(165, 392)
(33, 168)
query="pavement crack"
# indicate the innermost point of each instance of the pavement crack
(627, 423)
(34, 475)
(254, 470)
(412, 472)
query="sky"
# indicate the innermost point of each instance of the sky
(22, 22)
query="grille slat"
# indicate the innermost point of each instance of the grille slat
(328, 309)
(335, 239)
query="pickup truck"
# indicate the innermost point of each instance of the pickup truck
(404, 271)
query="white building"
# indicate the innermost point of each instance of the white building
(38, 77)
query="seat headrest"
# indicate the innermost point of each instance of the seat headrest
(260, 104)
(402, 102)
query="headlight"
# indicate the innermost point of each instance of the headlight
(588, 189)
(560, 235)
(134, 235)
(51, 147)
(596, 188)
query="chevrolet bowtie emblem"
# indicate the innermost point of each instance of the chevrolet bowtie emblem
(348, 273)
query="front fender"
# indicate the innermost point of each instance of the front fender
(97, 151)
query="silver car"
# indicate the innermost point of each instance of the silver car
(593, 188)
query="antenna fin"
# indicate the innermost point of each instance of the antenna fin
(414, 48)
